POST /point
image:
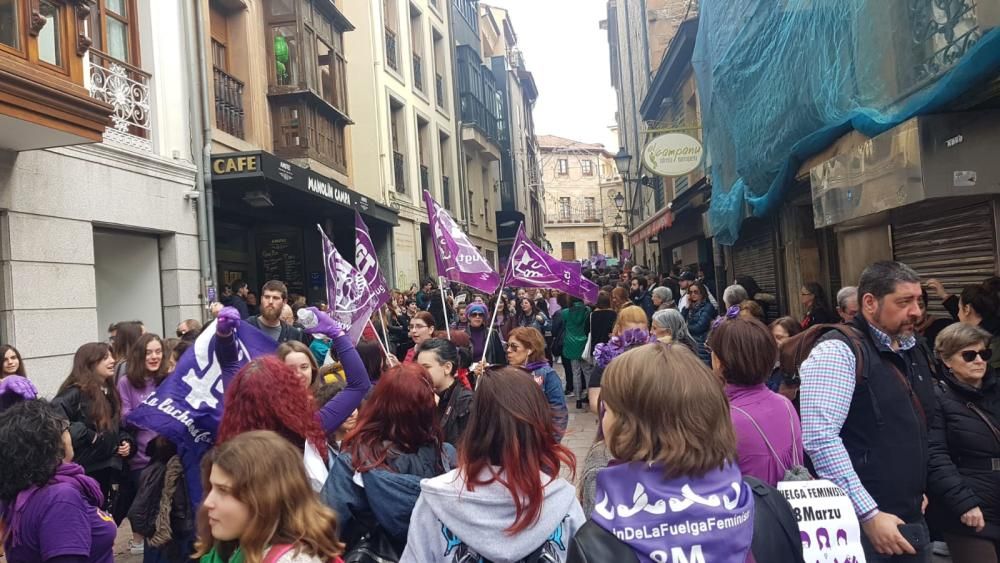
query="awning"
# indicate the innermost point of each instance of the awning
(260, 165)
(660, 220)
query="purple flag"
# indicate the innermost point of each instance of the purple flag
(580, 286)
(347, 291)
(457, 259)
(187, 407)
(367, 262)
(530, 266)
(626, 255)
(590, 291)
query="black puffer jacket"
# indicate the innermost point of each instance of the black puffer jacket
(963, 454)
(92, 448)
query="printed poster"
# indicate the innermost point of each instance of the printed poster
(828, 527)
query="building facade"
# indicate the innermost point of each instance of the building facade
(521, 189)
(582, 216)
(402, 98)
(289, 83)
(479, 118)
(97, 175)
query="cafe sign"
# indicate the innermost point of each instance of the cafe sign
(672, 154)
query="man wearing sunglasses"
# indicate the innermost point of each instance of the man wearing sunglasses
(864, 401)
(478, 329)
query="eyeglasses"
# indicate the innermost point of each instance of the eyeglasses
(473, 315)
(514, 347)
(413, 326)
(970, 355)
(694, 292)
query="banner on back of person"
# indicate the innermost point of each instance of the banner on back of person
(828, 528)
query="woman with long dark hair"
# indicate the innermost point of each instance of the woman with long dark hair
(397, 442)
(146, 369)
(258, 506)
(12, 362)
(817, 308)
(126, 335)
(52, 509)
(441, 360)
(512, 504)
(89, 400)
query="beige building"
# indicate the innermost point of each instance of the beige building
(401, 92)
(582, 215)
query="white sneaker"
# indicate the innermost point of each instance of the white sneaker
(135, 548)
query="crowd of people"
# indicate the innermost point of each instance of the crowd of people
(437, 437)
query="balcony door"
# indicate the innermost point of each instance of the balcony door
(114, 30)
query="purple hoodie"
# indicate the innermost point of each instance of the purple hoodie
(707, 518)
(131, 399)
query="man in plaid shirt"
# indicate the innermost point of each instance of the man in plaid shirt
(866, 432)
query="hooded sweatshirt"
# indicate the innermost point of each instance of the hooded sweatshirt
(450, 522)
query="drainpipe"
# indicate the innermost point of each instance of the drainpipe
(205, 86)
(200, 139)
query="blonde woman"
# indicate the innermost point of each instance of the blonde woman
(259, 506)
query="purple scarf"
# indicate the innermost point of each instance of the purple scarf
(532, 366)
(70, 473)
(660, 518)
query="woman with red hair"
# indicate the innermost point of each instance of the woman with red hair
(505, 501)
(397, 442)
(266, 394)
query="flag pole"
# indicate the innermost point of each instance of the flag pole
(496, 308)
(385, 333)
(375, 330)
(444, 308)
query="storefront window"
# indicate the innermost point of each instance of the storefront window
(9, 27)
(285, 55)
(50, 36)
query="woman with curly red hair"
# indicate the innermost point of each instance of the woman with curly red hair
(267, 394)
(505, 501)
(396, 443)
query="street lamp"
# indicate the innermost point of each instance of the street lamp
(619, 201)
(623, 161)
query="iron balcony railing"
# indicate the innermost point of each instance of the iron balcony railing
(418, 72)
(228, 103)
(439, 90)
(574, 216)
(478, 114)
(399, 170)
(391, 49)
(126, 89)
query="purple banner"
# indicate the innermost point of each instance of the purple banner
(187, 407)
(626, 255)
(530, 266)
(347, 292)
(367, 262)
(590, 291)
(457, 259)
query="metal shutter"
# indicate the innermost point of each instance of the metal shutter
(957, 247)
(754, 255)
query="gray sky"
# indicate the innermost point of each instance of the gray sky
(567, 51)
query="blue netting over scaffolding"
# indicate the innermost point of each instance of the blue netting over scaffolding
(780, 80)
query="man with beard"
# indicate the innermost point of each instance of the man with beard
(639, 292)
(478, 330)
(273, 298)
(863, 418)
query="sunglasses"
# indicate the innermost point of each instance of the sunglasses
(970, 355)
(471, 315)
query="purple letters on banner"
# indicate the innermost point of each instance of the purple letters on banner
(367, 262)
(457, 259)
(347, 292)
(187, 407)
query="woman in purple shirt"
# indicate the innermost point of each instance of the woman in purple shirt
(768, 433)
(49, 508)
(145, 370)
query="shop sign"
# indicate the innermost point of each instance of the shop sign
(241, 164)
(672, 154)
(329, 191)
(664, 220)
